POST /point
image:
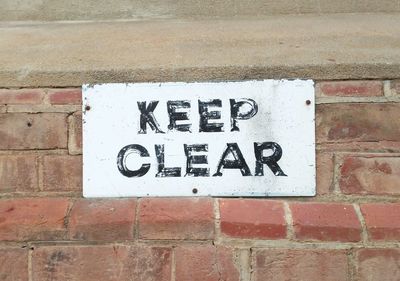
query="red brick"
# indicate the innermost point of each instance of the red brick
(62, 173)
(395, 87)
(324, 172)
(326, 222)
(369, 174)
(252, 218)
(358, 122)
(299, 265)
(173, 218)
(205, 263)
(94, 263)
(382, 220)
(18, 173)
(75, 134)
(33, 131)
(32, 219)
(378, 264)
(21, 96)
(13, 264)
(65, 96)
(356, 88)
(110, 219)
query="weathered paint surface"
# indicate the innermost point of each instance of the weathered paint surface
(253, 138)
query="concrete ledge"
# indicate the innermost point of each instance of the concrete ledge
(317, 47)
(48, 10)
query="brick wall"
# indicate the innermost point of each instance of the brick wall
(349, 231)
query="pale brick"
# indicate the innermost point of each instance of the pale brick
(205, 263)
(378, 265)
(94, 263)
(75, 133)
(62, 173)
(18, 173)
(358, 122)
(13, 264)
(299, 265)
(33, 131)
(370, 174)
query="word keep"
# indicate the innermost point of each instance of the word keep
(231, 158)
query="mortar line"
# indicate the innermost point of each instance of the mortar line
(40, 172)
(42, 108)
(289, 221)
(41, 194)
(351, 264)
(336, 173)
(329, 198)
(30, 266)
(251, 254)
(46, 100)
(68, 215)
(244, 264)
(386, 89)
(217, 221)
(69, 130)
(364, 232)
(136, 222)
(55, 151)
(173, 264)
(362, 100)
(236, 243)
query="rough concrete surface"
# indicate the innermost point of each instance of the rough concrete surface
(342, 46)
(43, 10)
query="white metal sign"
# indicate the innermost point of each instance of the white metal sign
(253, 138)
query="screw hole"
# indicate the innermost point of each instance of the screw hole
(194, 190)
(87, 107)
(29, 124)
(308, 102)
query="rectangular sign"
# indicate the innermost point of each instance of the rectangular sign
(252, 138)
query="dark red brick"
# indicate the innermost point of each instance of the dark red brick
(172, 218)
(382, 220)
(355, 88)
(21, 96)
(111, 219)
(65, 96)
(245, 218)
(325, 222)
(33, 219)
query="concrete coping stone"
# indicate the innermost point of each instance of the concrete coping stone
(62, 54)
